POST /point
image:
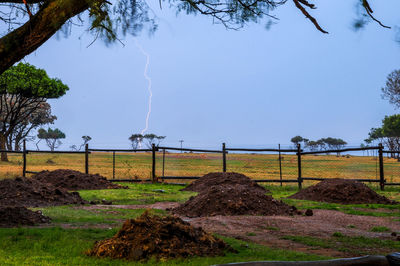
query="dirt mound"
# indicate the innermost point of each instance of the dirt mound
(233, 200)
(75, 180)
(341, 191)
(29, 192)
(216, 179)
(162, 237)
(14, 216)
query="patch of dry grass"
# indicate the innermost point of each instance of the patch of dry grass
(257, 166)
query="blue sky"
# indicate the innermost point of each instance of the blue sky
(251, 87)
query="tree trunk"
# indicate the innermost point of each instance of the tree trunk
(48, 20)
(3, 141)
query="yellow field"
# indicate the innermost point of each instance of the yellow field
(257, 166)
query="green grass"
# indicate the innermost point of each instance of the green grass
(283, 192)
(57, 246)
(380, 229)
(340, 242)
(139, 194)
(76, 216)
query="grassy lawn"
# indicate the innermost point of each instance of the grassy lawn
(74, 230)
(57, 246)
(139, 194)
(356, 209)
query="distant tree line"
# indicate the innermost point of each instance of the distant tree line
(321, 144)
(148, 139)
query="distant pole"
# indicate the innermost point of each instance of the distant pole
(280, 163)
(181, 141)
(24, 159)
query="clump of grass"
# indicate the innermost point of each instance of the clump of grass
(337, 234)
(351, 226)
(380, 229)
(272, 228)
(251, 234)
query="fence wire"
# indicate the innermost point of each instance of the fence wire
(357, 166)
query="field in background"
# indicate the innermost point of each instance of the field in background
(257, 166)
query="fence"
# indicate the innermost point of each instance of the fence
(282, 165)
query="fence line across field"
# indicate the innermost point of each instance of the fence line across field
(299, 153)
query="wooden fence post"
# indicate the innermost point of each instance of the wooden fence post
(24, 159)
(87, 158)
(381, 173)
(280, 163)
(153, 169)
(223, 158)
(299, 178)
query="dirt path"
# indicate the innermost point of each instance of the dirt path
(269, 230)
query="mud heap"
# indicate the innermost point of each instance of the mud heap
(233, 200)
(161, 237)
(29, 192)
(217, 179)
(75, 180)
(16, 216)
(341, 191)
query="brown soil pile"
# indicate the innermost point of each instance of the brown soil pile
(341, 191)
(233, 200)
(15, 216)
(216, 179)
(75, 180)
(161, 237)
(29, 192)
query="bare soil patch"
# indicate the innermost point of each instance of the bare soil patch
(75, 180)
(341, 191)
(269, 230)
(29, 192)
(162, 237)
(235, 199)
(16, 216)
(217, 179)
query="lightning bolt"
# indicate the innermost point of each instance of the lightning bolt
(146, 76)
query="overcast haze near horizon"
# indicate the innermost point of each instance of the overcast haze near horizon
(253, 87)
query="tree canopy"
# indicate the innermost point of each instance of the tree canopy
(24, 90)
(30, 23)
(52, 137)
(388, 134)
(391, 91)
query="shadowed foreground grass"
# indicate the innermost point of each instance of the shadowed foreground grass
(57, 246)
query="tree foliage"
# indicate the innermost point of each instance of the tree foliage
(391, 91)
(24, 90)
(388, 134)
(52, 137)
(298, 140)
(137, 140)
(30, 23)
